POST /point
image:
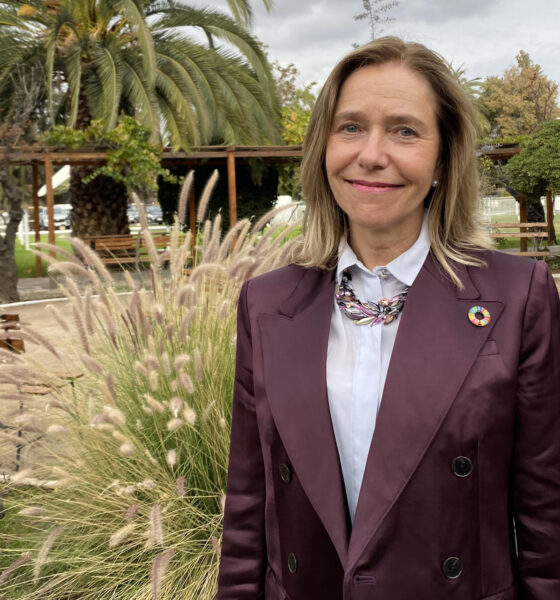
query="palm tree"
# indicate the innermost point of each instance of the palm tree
(473, 89)
(103, 58)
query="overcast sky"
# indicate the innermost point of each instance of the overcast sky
(482, 35)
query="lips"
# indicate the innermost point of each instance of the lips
(373, 186)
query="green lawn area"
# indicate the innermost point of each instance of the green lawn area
(513, 242)
(25, 259)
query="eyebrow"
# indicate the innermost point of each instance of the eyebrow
(358, 115)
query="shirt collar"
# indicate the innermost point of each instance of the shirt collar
(405, 267)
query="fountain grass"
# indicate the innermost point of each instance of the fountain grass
(134, 500)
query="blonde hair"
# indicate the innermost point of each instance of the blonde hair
(454, 230)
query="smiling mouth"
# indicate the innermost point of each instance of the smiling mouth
(373, 186)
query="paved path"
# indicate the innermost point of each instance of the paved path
(32, 409)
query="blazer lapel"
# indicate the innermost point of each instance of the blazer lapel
(436, 346)
(294, 353)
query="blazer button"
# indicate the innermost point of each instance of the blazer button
(452, 567)
(285, 473)
(461, 466)
(292, 563)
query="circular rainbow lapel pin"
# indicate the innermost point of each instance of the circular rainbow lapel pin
(479, 316)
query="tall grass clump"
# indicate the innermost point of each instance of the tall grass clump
(132, 500)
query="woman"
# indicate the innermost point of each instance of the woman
(370, 465)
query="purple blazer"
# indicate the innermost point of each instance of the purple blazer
(461, 492)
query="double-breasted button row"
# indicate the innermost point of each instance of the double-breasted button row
(452, 567)
(285, 473)
(292, 563)
(461, 466)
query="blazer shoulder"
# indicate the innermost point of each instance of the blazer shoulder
(506, 274)
(509, 262)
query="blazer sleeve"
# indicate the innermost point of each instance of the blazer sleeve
(243, 556)
(536, 466)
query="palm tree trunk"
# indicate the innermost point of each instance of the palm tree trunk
(99, 207)
(9, 279)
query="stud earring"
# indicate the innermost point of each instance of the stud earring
(434, 183)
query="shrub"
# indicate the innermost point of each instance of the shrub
(134, 506)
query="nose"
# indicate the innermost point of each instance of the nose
(373, 152)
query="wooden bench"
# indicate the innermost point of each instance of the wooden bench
(7, 323)
(123, 249)
(526, 231)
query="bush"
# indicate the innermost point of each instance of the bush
(134, 507)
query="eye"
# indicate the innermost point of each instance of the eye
(406, 132)
(350, 128)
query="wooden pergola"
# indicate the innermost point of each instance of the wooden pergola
(48, 158)
(505, 153)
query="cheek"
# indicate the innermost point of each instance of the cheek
(336, 158)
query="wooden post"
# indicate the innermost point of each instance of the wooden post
(36, 225)
(192, 224)
(550, 218)
(523, 219)
(50, 208)
(232, 189)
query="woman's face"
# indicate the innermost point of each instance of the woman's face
(382, 152)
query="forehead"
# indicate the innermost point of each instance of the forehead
(387, 86)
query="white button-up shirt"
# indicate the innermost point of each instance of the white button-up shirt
(358, 357)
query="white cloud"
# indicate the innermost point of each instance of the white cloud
(482, 35)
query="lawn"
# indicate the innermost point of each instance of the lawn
(25, 259)
(513, 242)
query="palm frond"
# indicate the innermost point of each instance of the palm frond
(132, 11)
(140, 95)
(105, 63)
(242, 12)
(73, 68)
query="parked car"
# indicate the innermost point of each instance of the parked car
(61, 216)
(132, 213)
(154, 213)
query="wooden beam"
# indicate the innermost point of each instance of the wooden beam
(499, 153)
(523, 219)
(50, 199)
(36, 224)
(192, 224)
(50, 211)
(232, 189)
(550, 217)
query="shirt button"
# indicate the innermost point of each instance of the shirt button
(383, 273)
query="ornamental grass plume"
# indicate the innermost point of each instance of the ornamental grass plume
(139, 443)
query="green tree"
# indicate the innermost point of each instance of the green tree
(536, 169)
(520, 99)
(296, 104)
(137, 57)
(18, 128)
(473, 89)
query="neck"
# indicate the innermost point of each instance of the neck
(378, 248)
